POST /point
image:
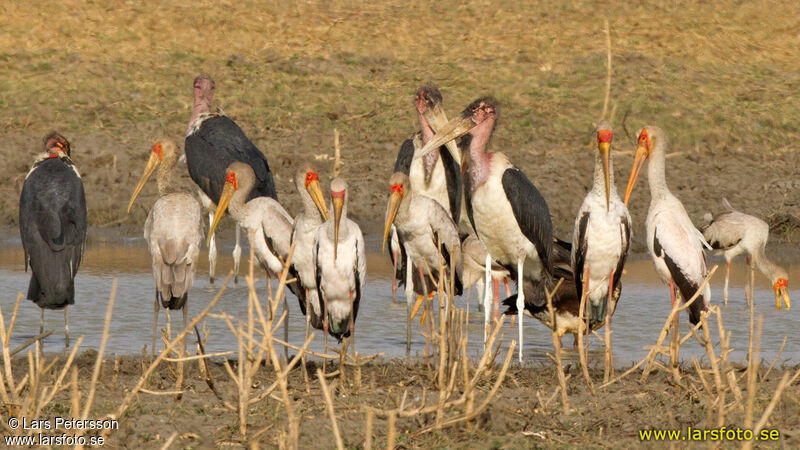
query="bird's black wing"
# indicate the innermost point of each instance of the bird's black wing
(467, 186)
(532, 214)
(318, 279)
(580, 254)
(452, 171)
(625, 235)
(404, 157)
(686, 287)
(216, 144)
(357, 296)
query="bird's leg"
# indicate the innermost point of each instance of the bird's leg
(496, 305)
(520, 300)
(212, 251)
(675, 336)
(508, 289)
(237, 256)
(155, 326)
(285, 329)
(609, 360)
(66, 326)
(394, 277)
(752, 284)
(41, 320)
(487, 298)
(352, 326)
(409, 303)
(725, 289)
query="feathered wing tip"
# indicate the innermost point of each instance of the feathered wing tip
(174, 302)
(597, 313)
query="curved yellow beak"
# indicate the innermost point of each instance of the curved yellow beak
(338, 203)
(638, 162)
(315, 190)
(152, 163)
(224, 200)
(782, 293)
(605, 149)
(391, 212)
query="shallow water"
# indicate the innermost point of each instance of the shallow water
(380, 328)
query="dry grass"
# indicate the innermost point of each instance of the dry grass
(719, 77)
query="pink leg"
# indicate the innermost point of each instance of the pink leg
(394, 278)
(508, 290)
(495, 314)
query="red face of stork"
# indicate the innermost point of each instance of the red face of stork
(54, 144)
(315, 191)
(203, 88)
(781, 288)
(478, 119)
(643, 147)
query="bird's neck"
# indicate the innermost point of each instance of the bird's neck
(404, 211)
(237, 205)
(202, 105)
(312, 214)
(599, 185)
(166, 179)
(767, 267)
(429, 164)
(656, 176)
(478, 164)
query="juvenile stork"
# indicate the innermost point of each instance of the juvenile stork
(509, 215)
(674, 243)
(52, 227)
(340, 266)
(733, 232)
(173, 232)
(602, 234)
(314, 213)
(213, 142)
(264, 218)
(423, 226)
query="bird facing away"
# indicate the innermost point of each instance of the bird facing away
(733, 232)
(213, 142)
(268, 225)
(674, 243)
(52, 227)
(507, 212)
(341, 266)
(602, 234)
(423, 226)
(314, 213)
(173, 232)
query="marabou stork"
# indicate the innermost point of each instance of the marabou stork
(213, 142)
(437, 176)
(734, 232)
(173, 232)
(52, 226)
(423, 227)
(602, 234)
(270, 224)
(674, 243)
(314, 213)
(509, 215)
(341, 266)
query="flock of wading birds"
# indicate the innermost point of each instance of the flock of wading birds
(448, 196)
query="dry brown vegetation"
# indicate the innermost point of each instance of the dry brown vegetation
(721, 78)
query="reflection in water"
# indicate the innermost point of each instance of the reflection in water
(643, 307)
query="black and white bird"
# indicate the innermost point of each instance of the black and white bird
(674, 243)
(173, 232)
(507, 212)
(424, 227)
(306, 224)
(213, 142)
(52, 226)
(341, 266)
(602, 235)
(263, 218)
(733, 232)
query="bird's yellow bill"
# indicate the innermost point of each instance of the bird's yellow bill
(449, 131)
(638, 162)
(338, 204)
(416, 306)
(224, 200)
(605, 149)
(391, 212)
(782, 293)
(152, 163)
(437, 119)
(315, 191)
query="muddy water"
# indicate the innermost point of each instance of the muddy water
(381, 323)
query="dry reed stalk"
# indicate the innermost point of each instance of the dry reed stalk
(30, 341)
(6, 341)
(337, 154)
(557, 348)
(581, 349)
(753, 364)
(47, 397)
(368, 430)
(151, 368)
(99, 360)
(390, 433)
(772, 364)
(607, 31)
(715, 370)
(608, 366)
(784, 383)
(331, 413)
(170, 440)
(8, 380)
(75, 394)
